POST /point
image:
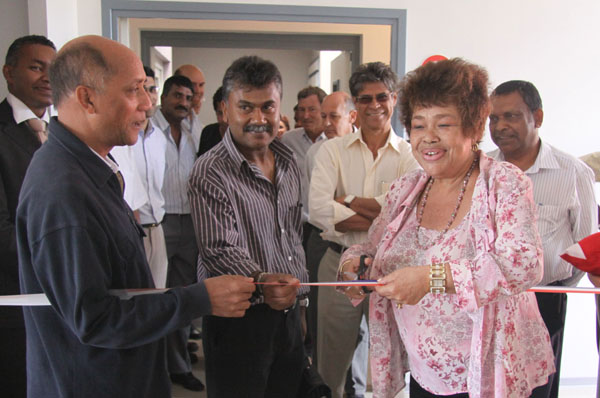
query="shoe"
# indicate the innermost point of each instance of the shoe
(187, 381)
(192, 347)
(193, 358)
(195, 334)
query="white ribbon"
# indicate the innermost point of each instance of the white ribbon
(40, 299)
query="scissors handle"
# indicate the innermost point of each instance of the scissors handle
(362, 270)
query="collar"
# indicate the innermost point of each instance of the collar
(160, 121)
(21, 112)
(393, 141)
(150, 128)
(320, 137)
(93, 164)
(108, 160)
(544, 160)
(279, 150)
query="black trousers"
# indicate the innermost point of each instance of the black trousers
(259, 355)
(553, 308)
(13, 379)
(416, 391)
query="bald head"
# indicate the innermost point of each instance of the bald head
(338, 113)
(99, 92)
(84, 61)
(195, 74)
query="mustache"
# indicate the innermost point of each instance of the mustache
(181, 107)
(258, 128)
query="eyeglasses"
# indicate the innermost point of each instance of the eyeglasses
(151, 89)
(381, 98)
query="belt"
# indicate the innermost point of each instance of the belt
(153, 225)
(336, 247)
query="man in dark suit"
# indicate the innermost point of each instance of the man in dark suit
(29, 97)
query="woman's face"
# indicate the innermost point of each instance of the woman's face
(438, 142)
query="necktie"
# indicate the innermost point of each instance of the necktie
(121, 181)
(39, 127)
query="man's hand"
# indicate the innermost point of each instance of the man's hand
(280, 297)
(229, 294)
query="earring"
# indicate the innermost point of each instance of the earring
(475, 147)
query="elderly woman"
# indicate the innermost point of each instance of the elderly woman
(455, 249)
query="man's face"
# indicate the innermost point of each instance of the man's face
(175, 104)
(152, 91)
(253, 117)
(28, 79)
(309, 113)
(198, 82)
(375, 106)
(122, 105)
(337, 119)
(513, 126)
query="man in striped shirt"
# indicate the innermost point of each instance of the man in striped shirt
(245, 202)
(563, 189)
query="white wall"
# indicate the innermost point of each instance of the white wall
(13, 24)
(213, 61)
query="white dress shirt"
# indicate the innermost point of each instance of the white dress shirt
(194, 125)
(299, 142)
(345, 166)
(149, 155)
(21, 112)
(563, 190)
(179, 163)
(134, 193)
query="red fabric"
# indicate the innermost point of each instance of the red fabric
(591, 248)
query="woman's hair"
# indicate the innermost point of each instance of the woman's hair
(445, 83)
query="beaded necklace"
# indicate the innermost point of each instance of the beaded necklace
(452, 216)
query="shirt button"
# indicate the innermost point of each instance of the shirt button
(282, 231)
(289, 258)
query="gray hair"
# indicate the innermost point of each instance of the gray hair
(78, 65)
(373, 72)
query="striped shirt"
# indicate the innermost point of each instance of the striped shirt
(563, 190)
(179, 162)
(245, 223)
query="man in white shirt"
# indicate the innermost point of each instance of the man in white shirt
(348, 184)
(300, 140)
(149, 157)
(563, 191)
(26, 106)
(196, 76)
(182, 251)
(339, 114)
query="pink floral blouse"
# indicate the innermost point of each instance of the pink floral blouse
(488, 339)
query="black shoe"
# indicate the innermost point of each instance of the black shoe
(195, 334)
(192, 347)
(193, 358)
(187, 381)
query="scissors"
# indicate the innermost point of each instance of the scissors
(362, 270)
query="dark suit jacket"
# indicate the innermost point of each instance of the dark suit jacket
(17, 145)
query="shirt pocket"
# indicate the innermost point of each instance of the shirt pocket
(550, 219)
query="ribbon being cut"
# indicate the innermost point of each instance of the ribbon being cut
(40, 299)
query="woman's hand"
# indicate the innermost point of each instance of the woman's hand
(349, 272)
(407, 285)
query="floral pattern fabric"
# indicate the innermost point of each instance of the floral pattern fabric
(488, 339)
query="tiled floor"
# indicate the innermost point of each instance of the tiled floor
(566, 391)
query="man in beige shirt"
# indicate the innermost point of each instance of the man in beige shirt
(348, 184)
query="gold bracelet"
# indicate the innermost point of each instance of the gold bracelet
(437, 278)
